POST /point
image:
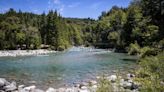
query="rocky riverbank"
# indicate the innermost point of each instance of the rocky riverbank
(14, 53)
(117, 83)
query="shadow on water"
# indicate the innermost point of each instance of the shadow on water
(129, 59)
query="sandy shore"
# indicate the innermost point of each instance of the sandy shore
(14, 53)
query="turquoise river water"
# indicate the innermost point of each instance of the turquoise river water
(64, 68)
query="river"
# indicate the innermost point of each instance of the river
(64, 68)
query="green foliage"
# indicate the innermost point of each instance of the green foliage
(104, 85)
(20, 38)
(20, 29)
(151, 73)
(134, 49)
(141, 22)
(33, 40)
(109, 28)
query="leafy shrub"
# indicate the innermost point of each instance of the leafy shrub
(151, 73)
(134, 49)
(147, 51)
(104, 85)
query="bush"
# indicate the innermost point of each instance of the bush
(104, 85)
(61, 48)
(151, 73)
(134, 49)
(147, 51)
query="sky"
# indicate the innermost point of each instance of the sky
(67, 8)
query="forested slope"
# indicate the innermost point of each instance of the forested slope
(25, 30)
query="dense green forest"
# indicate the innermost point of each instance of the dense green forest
(125, 29)
(28, 31)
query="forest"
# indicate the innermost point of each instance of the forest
(125, 29)
(23, 30)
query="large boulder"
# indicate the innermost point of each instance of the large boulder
(10, 87)
(3, 82)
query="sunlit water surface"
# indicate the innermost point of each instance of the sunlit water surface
(64, 68)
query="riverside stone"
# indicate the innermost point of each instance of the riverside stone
(30, 88)
(112, 78)
(10, 87)
(51, 90)
(127, 85)
(94, 86)
(84, 87)
(21, 86)
(61, 90)
(92, 82)
(83, 90)
(38, 90)
(124, 84)
(3, 82)
(130, 75)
